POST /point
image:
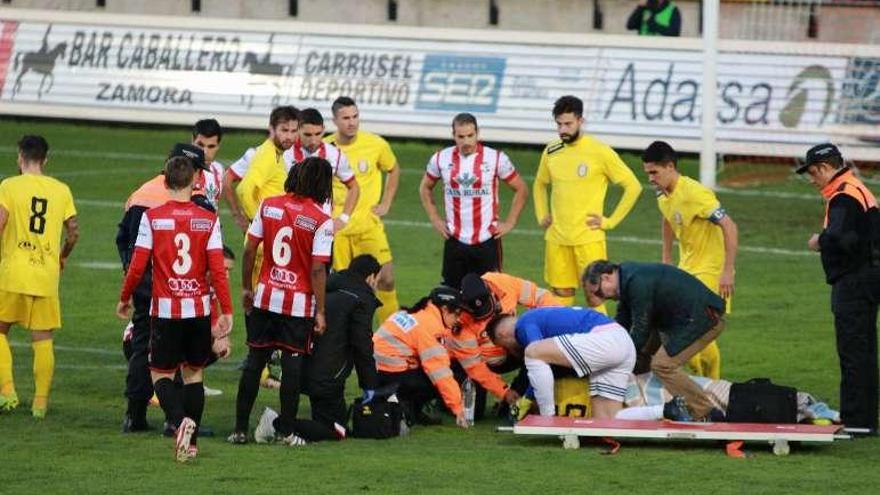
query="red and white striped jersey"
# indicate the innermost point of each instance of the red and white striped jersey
(341, 168)
(241, 166)
(294, 231)
(210, 183)
(470, 190)
(183, 242)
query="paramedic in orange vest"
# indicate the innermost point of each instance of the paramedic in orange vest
(845, 245)
(484, 297)
(408, 353)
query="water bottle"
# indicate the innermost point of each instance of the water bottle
(469, 395)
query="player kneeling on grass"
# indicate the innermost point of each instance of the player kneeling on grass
(583, 339)
(287, 307)
(183, 243)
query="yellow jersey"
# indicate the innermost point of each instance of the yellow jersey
(578, 174)
(369, 155)
(692, 210)
(30, 249)
(264, 178)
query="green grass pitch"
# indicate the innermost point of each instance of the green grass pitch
(781, 328)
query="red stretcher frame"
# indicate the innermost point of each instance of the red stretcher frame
(777, 435)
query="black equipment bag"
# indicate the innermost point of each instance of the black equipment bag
(760, 401)
(377, 419)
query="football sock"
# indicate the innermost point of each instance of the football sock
(710, 361)
(249, 386)
(170, 400)
(541, 377)
(291, 370)
(7, 386)
(194, 404)
(44, 369)
(389, 304)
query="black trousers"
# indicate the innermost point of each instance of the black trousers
(414, 389)
(854, 302)
(460, 259)
(138, 383)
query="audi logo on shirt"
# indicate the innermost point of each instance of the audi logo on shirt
(183, 284)
(282, 276)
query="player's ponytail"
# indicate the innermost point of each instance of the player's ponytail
(418, 306)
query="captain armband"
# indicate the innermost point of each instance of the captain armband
(717, 215)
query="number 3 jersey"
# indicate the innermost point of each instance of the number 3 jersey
(295, 232)
(183, 242)
(30, 250)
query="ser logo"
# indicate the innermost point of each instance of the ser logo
(454, 83)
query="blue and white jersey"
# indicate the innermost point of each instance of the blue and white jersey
(543, 323)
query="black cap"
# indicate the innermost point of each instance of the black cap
(822, 153)
(190, 151)
(445, 296)
(476, 297)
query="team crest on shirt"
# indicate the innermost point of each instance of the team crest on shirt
(677, 218)
(363, 166)
(582, 170)
(200, 225)
(273, 212)
(466, 179)
(162, 224)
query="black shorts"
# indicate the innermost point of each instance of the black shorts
(174, 343)
(460, 259)
(268, 330)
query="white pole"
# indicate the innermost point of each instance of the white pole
(708, 164)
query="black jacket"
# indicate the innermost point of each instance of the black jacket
(845, 243)
(126, 236)
(348, 340)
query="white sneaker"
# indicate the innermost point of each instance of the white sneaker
(212, 392)
(293, 441)
(265, 432)
(184, 437)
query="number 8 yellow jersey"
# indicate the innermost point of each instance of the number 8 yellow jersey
(30, 249)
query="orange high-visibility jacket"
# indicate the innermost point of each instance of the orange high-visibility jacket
(408, 341)
(473, 349)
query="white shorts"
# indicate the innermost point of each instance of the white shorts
(606, 354)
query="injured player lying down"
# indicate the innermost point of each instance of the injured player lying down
(646, 398)
(579, 338)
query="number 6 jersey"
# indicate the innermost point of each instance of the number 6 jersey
(183, 240)
(30, 252)
(295, 232)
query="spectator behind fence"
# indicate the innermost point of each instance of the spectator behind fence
(655, 18)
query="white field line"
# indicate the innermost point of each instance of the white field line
(104, 265)
(156, 160)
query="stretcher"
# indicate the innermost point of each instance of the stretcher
(777, 435)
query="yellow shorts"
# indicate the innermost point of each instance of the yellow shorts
(373, 241)
(564, 265)
(31, 312)
(713, 282)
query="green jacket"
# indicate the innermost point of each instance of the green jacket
(669, 301)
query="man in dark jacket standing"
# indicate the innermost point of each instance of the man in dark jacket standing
(347, 343)
(655, 18)
(670, 316)
(852, 268)
(138, 385)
